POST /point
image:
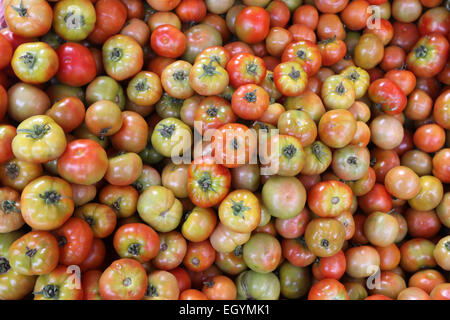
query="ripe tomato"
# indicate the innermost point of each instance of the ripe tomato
(75, 239)
(101, 218)
(305, 53)
(29, 18)
(329, 198)
(337, 128)
(199, 256)
(110, 18)
(133, 133)
(168, 41)
(84, 162)
(172, 250)
(124, 279)
(76, 65)
(386, 93)
(137, 241)
(208, 78)
(252, 24)
(220, 288)
(245, 68)
(250, 101)
(328, 289)
(427, 57)
(57, 285)
(429, 138)
(329, 267)
(240, 211)
(290, 78)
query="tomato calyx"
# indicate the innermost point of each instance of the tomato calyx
(301, 54)
(21, 10)
(421, 51)
(180, 75)
(12, 170)
(294, 74)
(289, 151)
(447, 245)
(38, 131)
(250, 96)
(329, 40)
(318, 152)
(205, 182)
(239, 208)
(151, 291)
(352, 160)
(212, 111)
(138, 186)
(195, 261)
(163, 246)
(134, 249)
(74, 21)
(127, 282)
(340, 89)
(116, 204)
(238, 251)
(209, 284)
(245, 287)
(353, 76)
(30, 252)
(62, 241)
(166, 131)
(29, 59)
(9, 206)
(324, 243)
(50, 197)
(89, 220)
(252, 68)
(4, 265)
(50, 291)
(335, 200)
(141, 85)
(209, 70)
(116, 54)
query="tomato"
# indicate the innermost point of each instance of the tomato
(158, 207)
(220, 288)
(406, 10)
(68, 113)
(252, 24)
(226, 240)
(337, 128)
(168, 41)
(162, 285)
(376, 199)
(441, 112)
(441, 292)
(317, 158)
(17, 174)
(123, 169)
(417, 254)
(240, 211)
(124, 279)
(430, 194)
(213, 112)
(324, 236)
(305, 53)
(362, 261)
(123, 200)
(133, 133)
(290, 78)
(250, 101)
(199, 256)
(426, 58)
(105, 88)
(426, 280)
(110, 17)
(137, 241)
(76, 65)
(75, 239)
(329, 198)
(386, 93)
(419, 161)
(172, 250)
(46, 203)
(369, 45)
(29, 18)
(381, 229)
(7, 51)
(338, 92)
(231, 263)
(257, 286)
(328, 289)
(429, 138)
(298, 124)
(192, 294)
(89, 283)
(279, 13)
(208, 182)
(199, 224)
(35, 62)
(330, 267)
(175, 80)
(306, 15)
(198, 38)
(101, 218)
(440, 169)
(387, 132)
(413, 293)
(245, 68)
(74, 20)
(191, 10)
(57, 285)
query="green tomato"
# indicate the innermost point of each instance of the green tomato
(253, 285)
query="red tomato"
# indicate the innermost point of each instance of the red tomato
(252, 24)
(76, 65)
(168, 41)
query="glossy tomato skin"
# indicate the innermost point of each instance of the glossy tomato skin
(76, 65)
(168, 41)
(252, 24)
(75, 239)
(84, 162)
(29, 18)
(245, 68)
(250, 101)
(386, 93)
(124, 279)
(330, 267)
(427, 58)
(328, 289)
(110, 17)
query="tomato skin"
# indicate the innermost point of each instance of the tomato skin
(328, 289)
(75, 239)
(429, 138)
(330, 267)
(168, 41)
(133, 133)
(35, 62)
(136, 241)
(427, 58)
(191, 10)
(250, 101)
(56, 286)
(290, 78)
(84, 162)
(7, 51)
(377, 199)
(124, 279)
(76, 65)
(245, 68)
(329, 198)
(74, 20)
(32, 19)
(252, 24)
(69, 113)
(389, 95)
(110, 17)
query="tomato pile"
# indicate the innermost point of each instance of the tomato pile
(322, 170)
